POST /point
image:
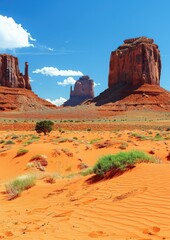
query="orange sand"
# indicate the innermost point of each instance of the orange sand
(134, 205)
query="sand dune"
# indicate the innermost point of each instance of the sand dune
(134, 205)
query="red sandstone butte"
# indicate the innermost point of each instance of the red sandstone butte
(83, 90)
(15, 88)
(134, 79)
(135, 62)
(10, 75)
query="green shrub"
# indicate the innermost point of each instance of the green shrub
(44, 126)
(87, 171)
(9, 142)
(14, 137)
(119, 161)
(19, 184)
(21, 152)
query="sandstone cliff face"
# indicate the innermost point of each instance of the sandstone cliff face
(15, 88)
(10, 75)
(83, 90)
(135, 62)
(134, 79)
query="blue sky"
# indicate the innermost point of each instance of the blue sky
(79, 35)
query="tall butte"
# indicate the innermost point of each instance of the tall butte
(15, 88)
(83, 90)
(10, 75)
(134, 78)
(135, 62)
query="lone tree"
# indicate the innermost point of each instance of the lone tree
(44, 126)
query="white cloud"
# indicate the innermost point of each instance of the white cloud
(52, 71)
(57, 102)
(51, 49)
(67, 81)
(13, 35)
(96, 84)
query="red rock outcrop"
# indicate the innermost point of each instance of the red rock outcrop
(10, 75)
(135, 62)
(15, 88)
(22, 100)
(134, 78)
(83, 90)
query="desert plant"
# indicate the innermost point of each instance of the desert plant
(19, 184)
(9, 142)
(14, 137)
(120, 161)
(44, 126)
(39, 160)
(21, 152)
(86, 171)
(123, 146)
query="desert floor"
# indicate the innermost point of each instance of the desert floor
(133, 205)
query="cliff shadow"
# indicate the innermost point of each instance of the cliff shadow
(116, 93)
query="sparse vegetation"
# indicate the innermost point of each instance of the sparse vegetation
(87, 171)
(120, 161)
(123, 146)
(9, 142)
(44, 126)
(19, 184)
(21, 152)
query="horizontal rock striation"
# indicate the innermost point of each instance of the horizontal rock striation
(10, 75)
(135, 62)
(23, 100)
(134, 78)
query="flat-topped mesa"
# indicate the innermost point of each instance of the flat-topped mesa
(83, 87)
(10, 75)
(83, 90)
(135, 62)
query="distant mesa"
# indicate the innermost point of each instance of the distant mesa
(134, 78)
(10, 75)
(15, 88)
(83, 90)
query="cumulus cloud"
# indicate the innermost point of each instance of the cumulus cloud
(13, 35)
(96, 84)
(67, 81)
(52, 71)
(57, 102)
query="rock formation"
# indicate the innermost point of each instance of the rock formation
(23, 100)
(15, 88)
(10, 75)
(83, 90)
(134, 78)
(135, 62)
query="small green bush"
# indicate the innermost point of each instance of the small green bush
(119, 161)
(21, 152)
(9, 142)
(44, 126)
(19, 184)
